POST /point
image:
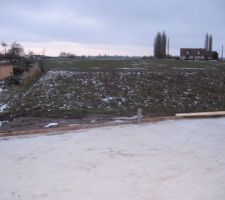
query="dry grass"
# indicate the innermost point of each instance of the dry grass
(32, 75)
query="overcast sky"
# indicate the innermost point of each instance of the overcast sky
(122, 27)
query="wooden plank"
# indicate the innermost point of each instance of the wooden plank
(201, 114)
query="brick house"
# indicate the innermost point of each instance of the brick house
(6, 70)
(197, 54)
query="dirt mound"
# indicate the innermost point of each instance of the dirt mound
(77, 94)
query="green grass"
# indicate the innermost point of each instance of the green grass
(131, 65)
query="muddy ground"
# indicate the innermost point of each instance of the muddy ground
(97, 91)
(37, 123)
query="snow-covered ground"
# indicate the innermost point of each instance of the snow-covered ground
(169, 160)
(3, 106)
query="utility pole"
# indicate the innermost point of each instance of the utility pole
(43, 52)
(222, 53)
(139, 115)
(168, 47)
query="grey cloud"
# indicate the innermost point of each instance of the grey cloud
(112, 22)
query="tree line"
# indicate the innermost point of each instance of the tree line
(15, 54)
(15, 51)
(161, 48)
(162, 44)
(208, 42)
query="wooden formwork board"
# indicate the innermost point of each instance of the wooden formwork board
(201, 114)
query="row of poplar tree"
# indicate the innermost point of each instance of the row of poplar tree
(162, 44)
(208, 42)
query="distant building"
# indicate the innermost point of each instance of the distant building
(6, 70)
(197, 54)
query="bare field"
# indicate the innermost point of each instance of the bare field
(131, 65)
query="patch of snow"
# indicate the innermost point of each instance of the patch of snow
(117, 121)
(132, 68)
(107, 99)
(189, 68)
(126, 118)
(2, 87)
(3, 107)
(3, 122)
(51, 125)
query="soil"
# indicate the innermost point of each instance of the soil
(36, 123)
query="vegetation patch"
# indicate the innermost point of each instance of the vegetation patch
(164, 92)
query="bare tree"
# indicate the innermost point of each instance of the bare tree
(30, 53)
(63, 54)
(67, 55)
(4, 45)
(16, 49)
(168, 47)
(15, 52)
